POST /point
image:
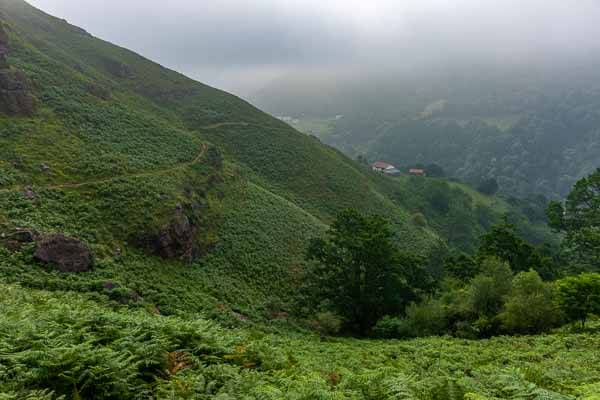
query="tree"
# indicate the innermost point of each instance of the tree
(462, 267)
(579, 219)
(361, 273)
(490, 288)
(488, 186)
(529, 308)
(579, 296)
(435, 171)
(504, 242)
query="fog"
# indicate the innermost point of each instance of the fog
(243, 45)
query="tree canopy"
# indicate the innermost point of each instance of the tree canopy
(579, 218)
(361, 273)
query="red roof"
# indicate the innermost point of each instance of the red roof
(416, 171)
(382, 165)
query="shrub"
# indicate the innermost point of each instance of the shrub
(326, 323)
(529, 308)
(390, 327)
(427, 318)
(489, 289)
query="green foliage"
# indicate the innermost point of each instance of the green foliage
(361, 272)
(529, 308)
(490, 288)
(489, 186)
(579, 296)
(579, 218)
(462, 267)
(326, 323)
(502, 241)
(427, 318)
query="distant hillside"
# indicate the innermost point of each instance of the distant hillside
(534, 129)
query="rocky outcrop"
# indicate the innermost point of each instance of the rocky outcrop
(117, 68)
(3, 47)
(15, 95)
(175, 241)
(65, 253)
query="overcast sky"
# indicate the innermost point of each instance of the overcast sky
(240, 45)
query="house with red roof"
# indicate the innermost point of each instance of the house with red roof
(385, 168)
(417, 171)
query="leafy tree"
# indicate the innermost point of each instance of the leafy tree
(579, 218)
(579, 296)
(361, 272)
(490, 288)
(435, 171)
(504, 242)
(488, 186)
(488, 292)
(529, 309)
(438, 196)
(462, 267)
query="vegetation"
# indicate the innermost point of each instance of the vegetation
(579, 219)
(361, 273)
(199, 210)
(579, 296)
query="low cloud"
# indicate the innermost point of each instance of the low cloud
(240, 45)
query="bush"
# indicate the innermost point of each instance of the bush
(427, 318)
(419, 220)
(529, 308)
(489, 289)
(393, 328)
(326, 323)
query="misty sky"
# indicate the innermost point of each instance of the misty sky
(240, 45)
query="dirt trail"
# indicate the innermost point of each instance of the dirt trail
(197, 159)
(140, 174)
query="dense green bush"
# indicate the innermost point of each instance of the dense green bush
(529, 308)
(579, 297)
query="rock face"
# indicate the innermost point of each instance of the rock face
(3, 47)
(67, 254)
(175, 241)
(118, 69)
(15, 96)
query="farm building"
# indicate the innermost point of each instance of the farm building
(385, 168)
(417, 171)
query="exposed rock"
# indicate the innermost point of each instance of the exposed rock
(177, 240)
(44, 167)
(3, 47)
(29, 193)
(15, 95)
(67, 254)
(117, 68)
(98, 91)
